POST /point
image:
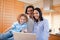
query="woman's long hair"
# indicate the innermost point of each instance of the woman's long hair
(40, 15)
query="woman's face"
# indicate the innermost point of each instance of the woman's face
(22, 19)
(30, 11)
(36, 14)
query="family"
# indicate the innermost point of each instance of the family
(30, 22)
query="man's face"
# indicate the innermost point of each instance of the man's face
(30, 11)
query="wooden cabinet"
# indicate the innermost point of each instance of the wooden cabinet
(54, 37)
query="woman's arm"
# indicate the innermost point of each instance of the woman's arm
(46, 29)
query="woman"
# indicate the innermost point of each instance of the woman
(29, 11)
(19, 26)
(41, 28)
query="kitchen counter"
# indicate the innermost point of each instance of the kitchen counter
(54, 37)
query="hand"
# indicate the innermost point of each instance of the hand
(24, 31)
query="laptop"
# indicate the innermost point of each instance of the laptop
(24, 36)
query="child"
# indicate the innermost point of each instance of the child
(19, 26)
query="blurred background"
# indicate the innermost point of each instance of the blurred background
(10, 9)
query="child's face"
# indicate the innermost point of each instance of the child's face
(22, 19)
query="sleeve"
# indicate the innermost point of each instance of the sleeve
(46, 29)
(13, 27)
(10, 28)
(24, 29)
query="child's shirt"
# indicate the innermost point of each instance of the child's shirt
(17, 27)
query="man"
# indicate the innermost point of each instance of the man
(29, 11)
